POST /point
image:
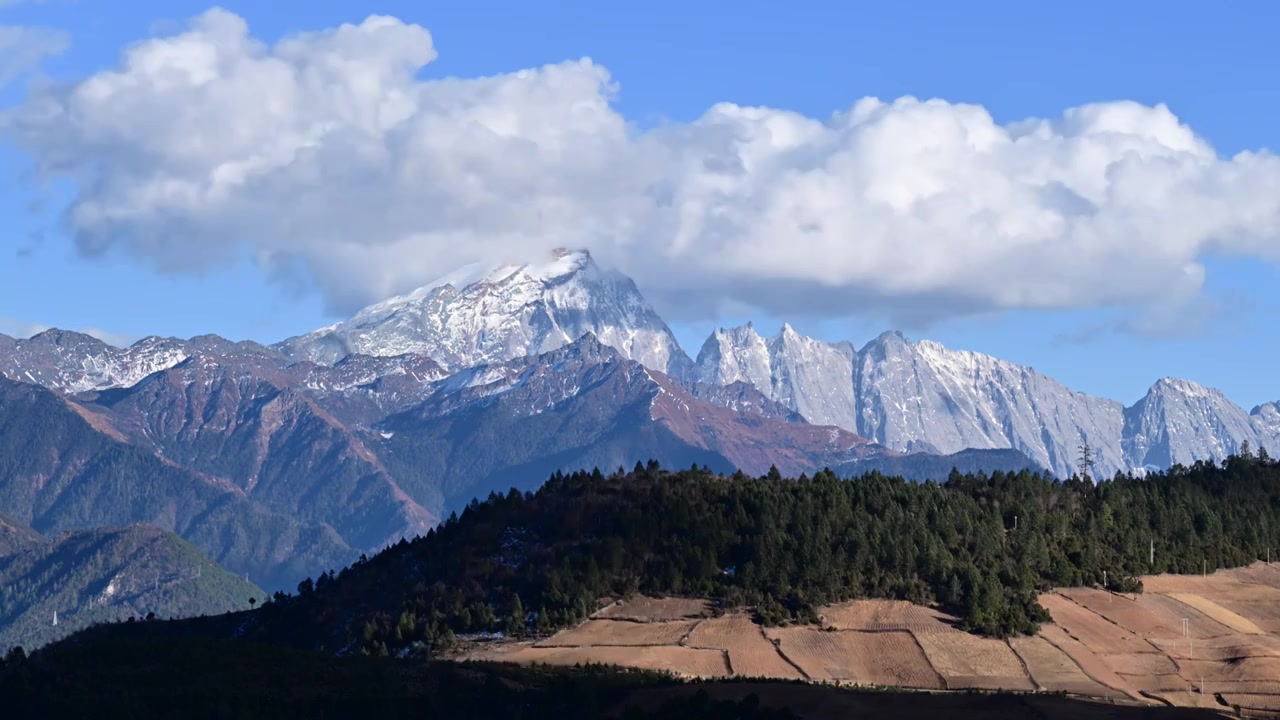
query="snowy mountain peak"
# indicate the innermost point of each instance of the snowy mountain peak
(734, 355)
(1186, 388)
(1180, 422)
(480, 315)
(886, 343)
(811, 377)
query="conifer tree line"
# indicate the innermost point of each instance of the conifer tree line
(982, 547)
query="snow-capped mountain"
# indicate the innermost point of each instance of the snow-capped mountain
(907, 396)
(482, 315)
(809, 376)
(74, 362)
(924, 397)
(1180, 422)
(1266, 422)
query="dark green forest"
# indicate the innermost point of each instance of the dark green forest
(981, 547)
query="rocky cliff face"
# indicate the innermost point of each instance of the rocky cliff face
(924, 397)
(809, 376)
(1180, 422)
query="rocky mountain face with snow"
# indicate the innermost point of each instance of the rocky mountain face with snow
(482, 315)
(924, 397)
(326, 445)
(1180, 422)
(813, 378)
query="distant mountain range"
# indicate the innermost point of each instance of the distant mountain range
(282, 461)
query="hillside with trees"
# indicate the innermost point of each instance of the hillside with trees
(87, 577)
(981, 547)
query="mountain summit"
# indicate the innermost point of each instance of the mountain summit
(480, 315)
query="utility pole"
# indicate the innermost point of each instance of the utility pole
(1151, 559)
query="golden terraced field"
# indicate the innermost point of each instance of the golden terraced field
(1126, 648)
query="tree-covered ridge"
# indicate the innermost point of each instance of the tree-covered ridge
(63, 468)
(109, 574)
(982, 547)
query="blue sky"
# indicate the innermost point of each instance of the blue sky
(1214, 69)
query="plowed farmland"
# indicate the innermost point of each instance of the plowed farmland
(1186, 640)
(750, 653)
(866, 658)
(621, 632)
(647, 609)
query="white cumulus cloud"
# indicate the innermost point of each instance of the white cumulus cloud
(330, 158)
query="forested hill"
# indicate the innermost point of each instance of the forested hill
(91, 576)
(982, 547)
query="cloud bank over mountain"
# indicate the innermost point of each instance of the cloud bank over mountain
(336, 160)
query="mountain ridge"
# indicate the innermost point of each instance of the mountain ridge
(909, 396)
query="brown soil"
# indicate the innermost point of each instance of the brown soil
(1096, 632)
(1092, 665)
(1053, 670)
(1113, 647)
(683, 661)
(751, 654)
(640, 608)
(886, 615)
(1217, 612)
(599, 633)
(866, 658)
(1141, 619)
(1199, 625)
(968, 661)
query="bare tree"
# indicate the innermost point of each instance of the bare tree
(1086, 462)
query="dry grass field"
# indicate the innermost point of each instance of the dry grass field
(1218, 613)
(1128, 648)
